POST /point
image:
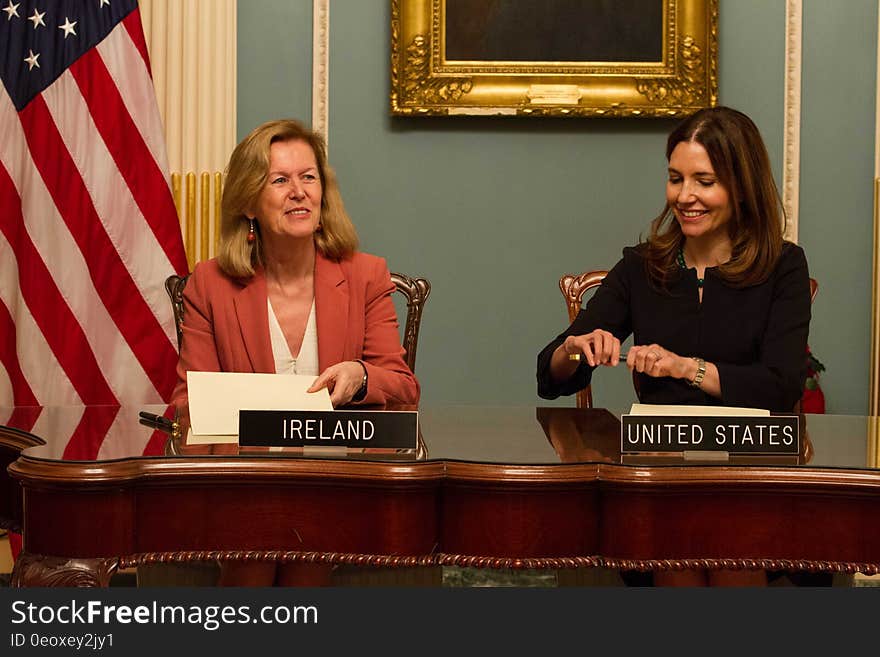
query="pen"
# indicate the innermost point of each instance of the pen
(577, 357)
(158, 420)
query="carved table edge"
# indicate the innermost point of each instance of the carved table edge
(646, 565)
(787, 565)
(494, 562)
(278, 556)
(523, 563)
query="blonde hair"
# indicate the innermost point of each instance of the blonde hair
(246, 175)
(739, 158)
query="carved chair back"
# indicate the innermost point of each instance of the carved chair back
(573, 288)
(415, 291)
(174, 285)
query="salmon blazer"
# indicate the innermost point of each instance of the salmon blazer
(226, 325)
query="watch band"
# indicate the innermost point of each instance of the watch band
(701, 372)
(362, 391)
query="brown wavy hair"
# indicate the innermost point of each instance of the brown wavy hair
(246, 175)
(742, 167)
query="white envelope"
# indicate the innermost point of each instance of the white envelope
(215, 398)
(682, 410)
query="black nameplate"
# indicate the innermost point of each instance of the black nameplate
(353, 429)
(774, 434)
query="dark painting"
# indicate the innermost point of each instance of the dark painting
(555, 30)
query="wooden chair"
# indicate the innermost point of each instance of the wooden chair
(174, 285)
(573, 288)
(414, 290)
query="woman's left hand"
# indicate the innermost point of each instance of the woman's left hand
(343, 380)
(656, 361)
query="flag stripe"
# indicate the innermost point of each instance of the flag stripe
(135, 30)
(5, 385)
(119, 293)
(133, 239)
(68, 267)
(156, 445)
(22, 395)
(86, 439)
(129, 151)
(70, 275)
(132, 78)
(24, 418)
(38, 364)
(53, 316)
(56, 426)
(123, 441)
(70, 272)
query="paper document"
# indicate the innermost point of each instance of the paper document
(674, 409)
(215, 398)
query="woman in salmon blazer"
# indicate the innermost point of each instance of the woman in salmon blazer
(288, 291)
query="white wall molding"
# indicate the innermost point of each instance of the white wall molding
(320, 65)
(792, 121)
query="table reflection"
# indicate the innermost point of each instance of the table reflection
(88, 433)
(515, 435)
(579, 435)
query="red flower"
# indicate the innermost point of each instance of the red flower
(813, 399)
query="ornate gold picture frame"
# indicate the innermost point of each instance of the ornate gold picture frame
(646, 58)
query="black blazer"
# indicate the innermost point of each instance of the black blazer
(756, 336)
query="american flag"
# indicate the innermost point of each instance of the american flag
(88, 228)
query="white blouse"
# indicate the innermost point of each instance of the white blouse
(306, 361)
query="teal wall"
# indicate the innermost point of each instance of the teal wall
(837, 165)
(494, 210)
(274, 61)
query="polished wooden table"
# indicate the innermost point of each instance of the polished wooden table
(501, 487)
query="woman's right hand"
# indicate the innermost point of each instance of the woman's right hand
(597, 348)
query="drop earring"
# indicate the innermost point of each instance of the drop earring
(252, 235)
